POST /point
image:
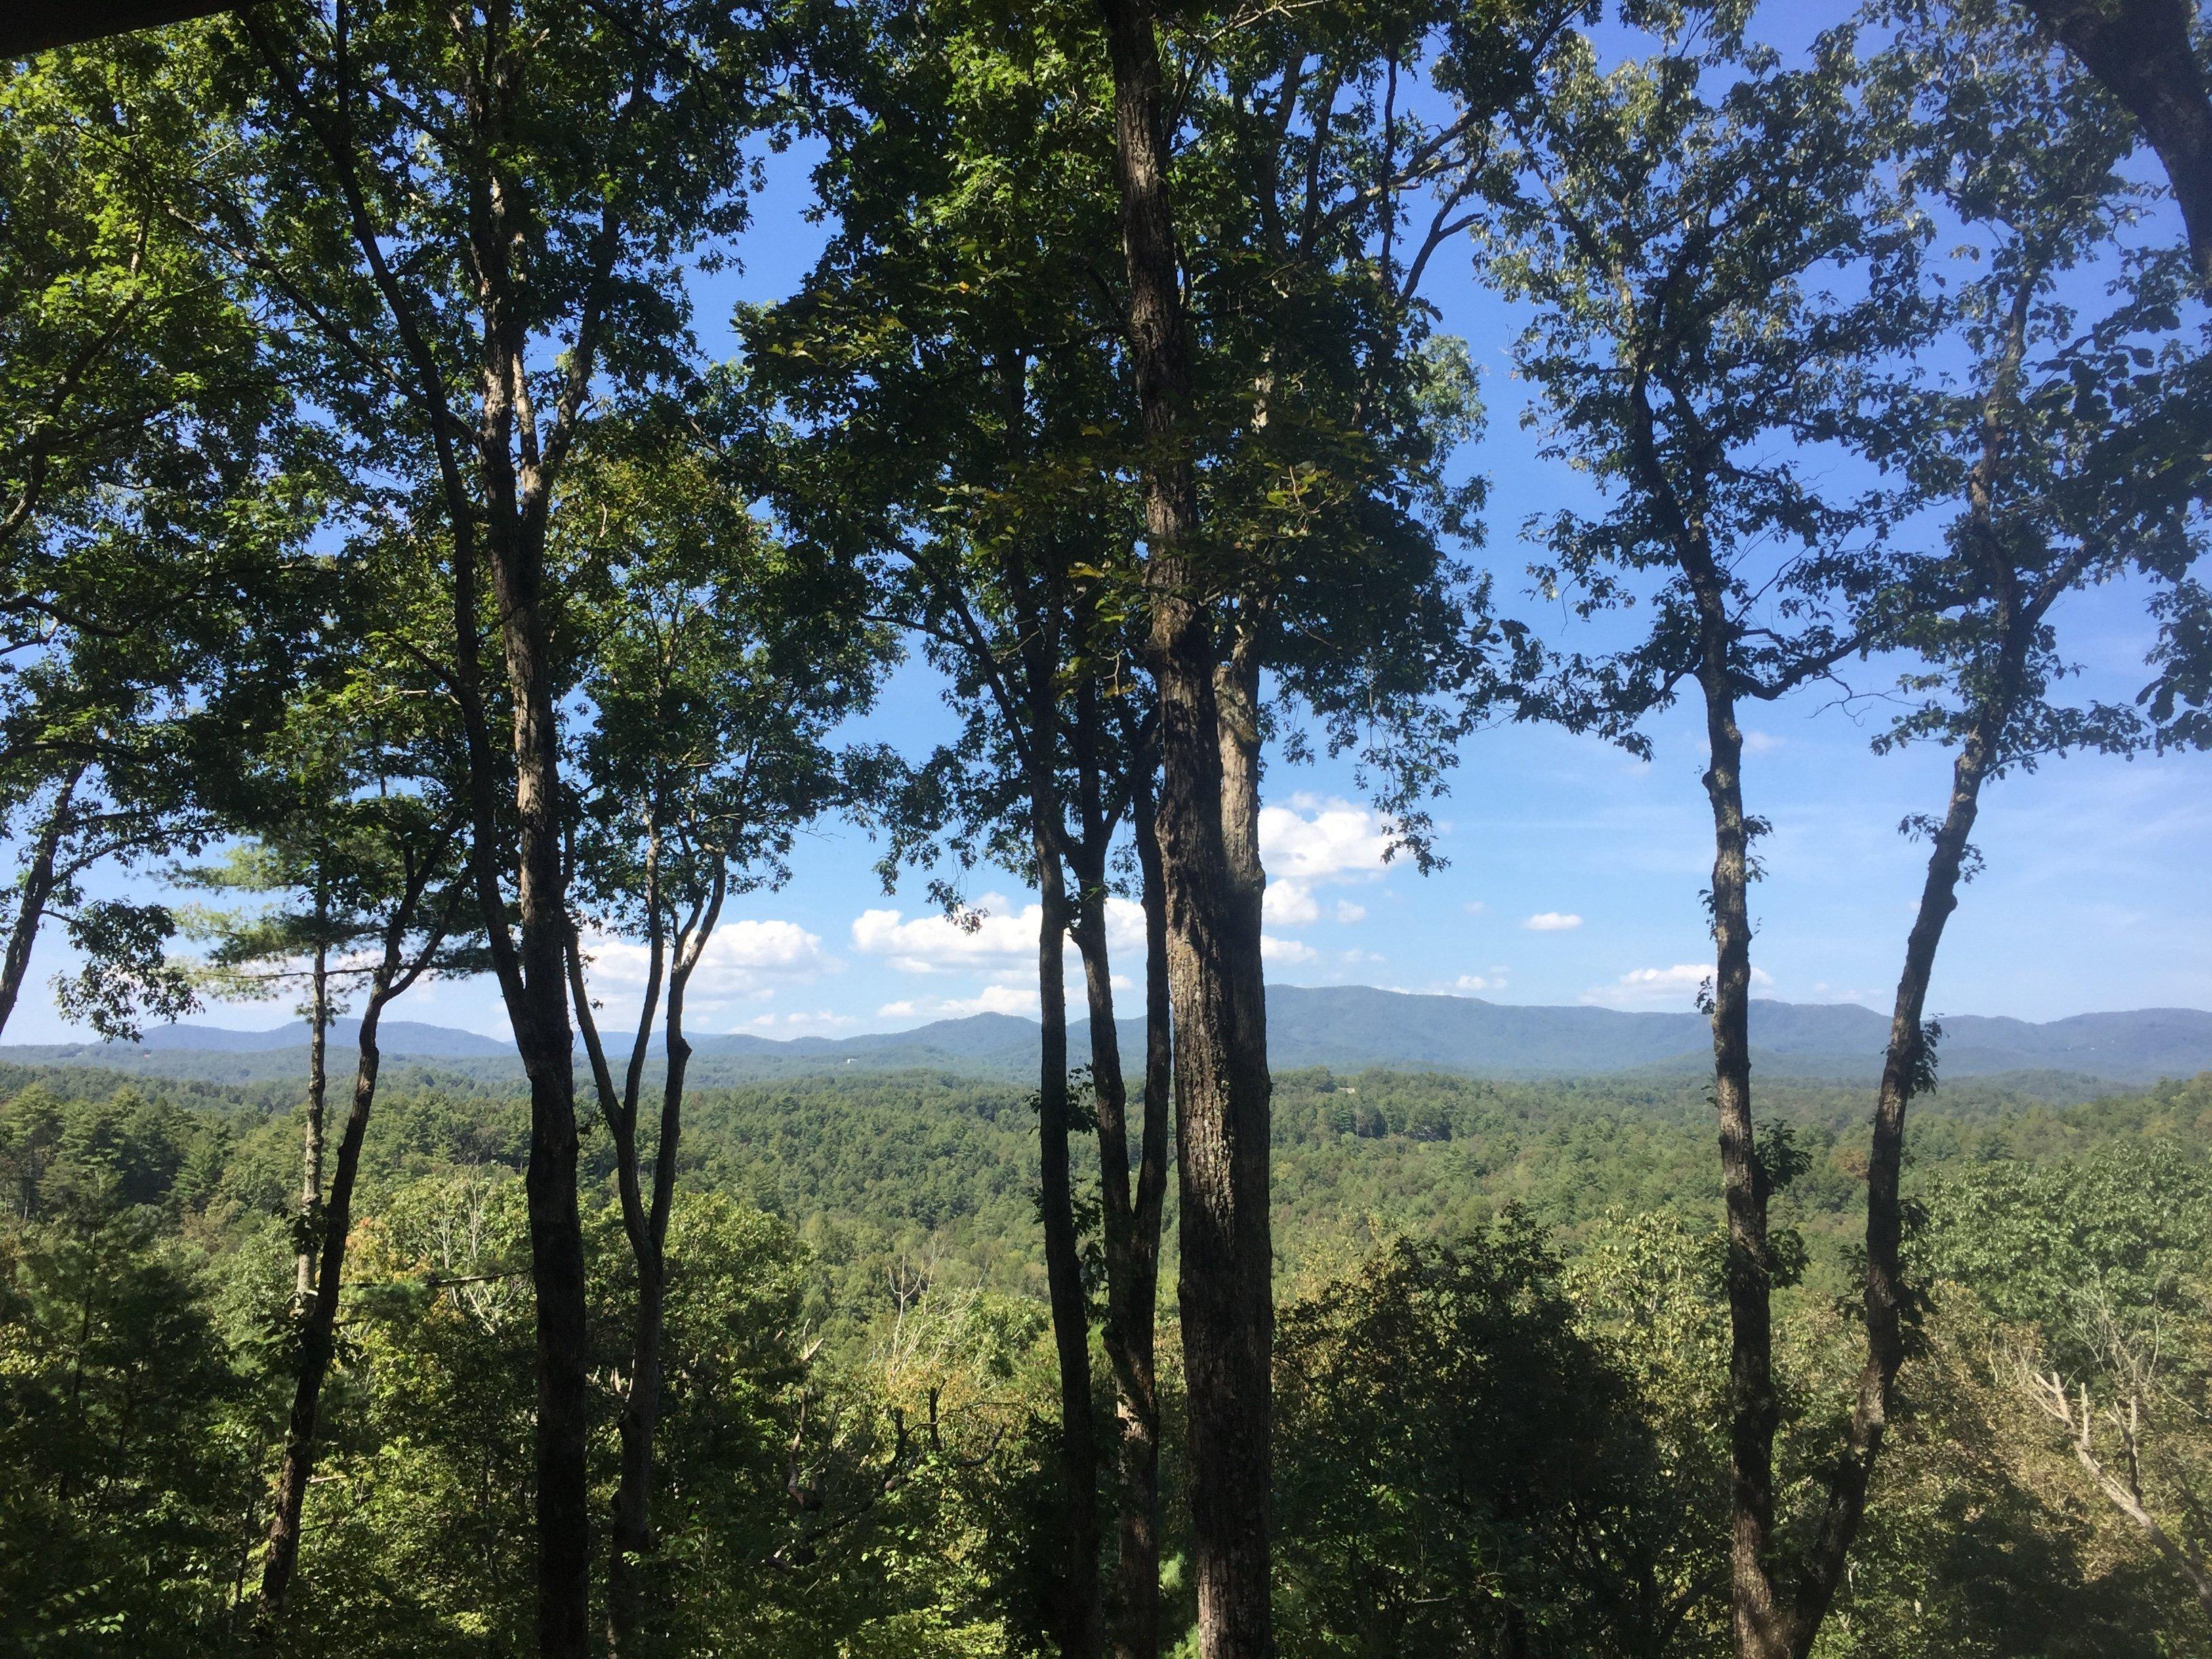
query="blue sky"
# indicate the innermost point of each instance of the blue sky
(1575, 870)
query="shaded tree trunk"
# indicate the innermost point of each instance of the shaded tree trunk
(1908, 1068)
(311, 1158)
(38, 890)
(1081, 1634)
(1905, 1071)
(1759, 1617)
(281, 1547)
(647, 1224)
(538, 1009)
(1130, 1221)
(1221, 1058)
(497, 519)
(2141, 52)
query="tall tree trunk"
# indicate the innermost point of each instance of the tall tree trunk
(633, 1534)
(1130, 1221)
(311, 1158)
(1081, 1619)
(38, 888)
(281, 1548)
(1758, 1618)
(1904, 1072)
(1220, 1060)
(2140, 51)
(538, 1006)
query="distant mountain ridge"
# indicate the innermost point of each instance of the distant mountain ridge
(1346, 1028)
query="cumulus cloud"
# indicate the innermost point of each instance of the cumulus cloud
(741, 958)
(1293, 904)
(1660, 988)
(1002, 936)
(1760, 743)
(1472, 984)
(1003, 998)
(1551, 921)
(1285, 950)
(1290, 904)
(796, 1024)
(1310, 839)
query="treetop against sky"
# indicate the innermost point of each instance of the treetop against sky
(1574, 868)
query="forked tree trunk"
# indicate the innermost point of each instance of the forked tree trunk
(1220, 1059)
(1081, 1632)
(281, 1547)
(647, 1224)
(1131, 1221)
(38, 890)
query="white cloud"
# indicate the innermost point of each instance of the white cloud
(1309, 842)
(1470, 984)
(1761, 743)
(1362, 959)
(1551, 921)
(1006, 997)
(740, 958)
(1293, 904)
(1001, 937)
(795, 1022)
(1651, 987)
(1285, 950)
(1312, 840)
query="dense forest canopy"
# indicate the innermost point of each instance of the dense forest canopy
(396, 597)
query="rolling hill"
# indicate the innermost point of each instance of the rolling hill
(1346, 1028)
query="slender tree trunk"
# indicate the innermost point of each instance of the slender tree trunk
(1131, 1221)
(311, 1160)
(1758, 1618)
(634, 1534)
(1081, 1633)
(1220, 1061)
(37, 889)
(1903, 1072)
(538, 1006)
(1906, 1070)
(2140, 51)
(281, 1548)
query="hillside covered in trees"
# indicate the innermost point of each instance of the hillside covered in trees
(429, 572)
(1501, 1307)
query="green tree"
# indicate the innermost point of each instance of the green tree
(717, 661)
(2037, 456)
(1465, 1471)
(156, 481)
(1678, 223)
(482, 226)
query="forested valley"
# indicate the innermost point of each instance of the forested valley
(397, 596)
